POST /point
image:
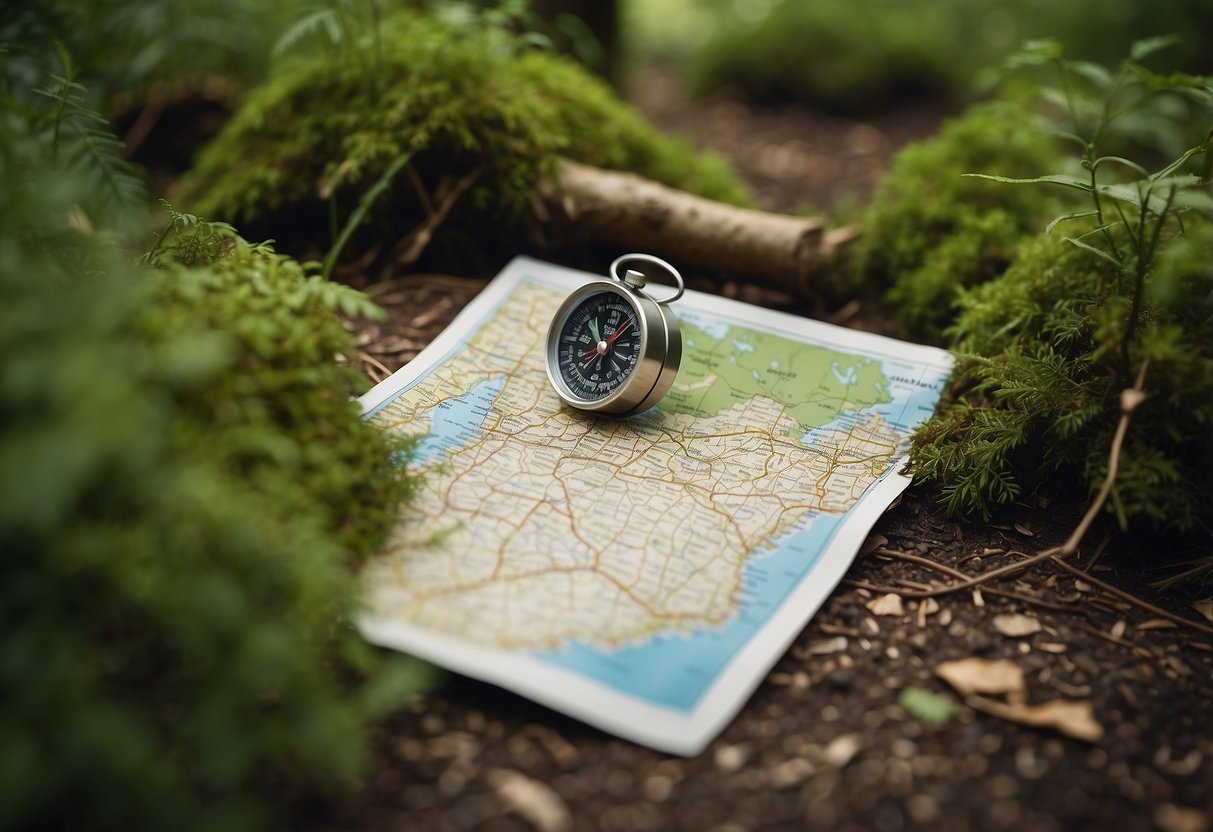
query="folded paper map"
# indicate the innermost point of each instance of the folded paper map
(640, 574)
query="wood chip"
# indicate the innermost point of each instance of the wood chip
(975, 675)
(1051, 647)
(826, 646)
(1205, 607)
(538, 803)
(1073, 718)
(841, 749)
(1118, 629)
(1016, 625)
(889, 604)
(927, 606)
(1172, 818)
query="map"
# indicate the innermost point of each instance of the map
(642, 574)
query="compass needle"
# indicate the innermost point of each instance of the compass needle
(604, 368)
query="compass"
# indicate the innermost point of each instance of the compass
(611, 347)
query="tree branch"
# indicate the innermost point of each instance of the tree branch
(783, 251)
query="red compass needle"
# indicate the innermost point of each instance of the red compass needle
(595, 352)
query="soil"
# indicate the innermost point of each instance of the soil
(829, 740)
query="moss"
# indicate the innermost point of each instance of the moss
(1038, 380)
(931, 230)
(455, 101)
(185, 490)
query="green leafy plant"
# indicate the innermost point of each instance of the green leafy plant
(1045, 350)
(929, 231)
(186, 491)
(477, 114)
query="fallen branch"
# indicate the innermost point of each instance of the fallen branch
(784, 252)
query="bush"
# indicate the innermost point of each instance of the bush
(431, 104)
(185, 490)
(930, 230)
(1045, 349)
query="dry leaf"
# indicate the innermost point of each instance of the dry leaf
(1024, 530)
(1205, 607)
(1118, 629)
(1051, 647)
(982, 676)
(1157, 624)
(535, 801)
(1015, 625)
(1072, 718)
(889, 604)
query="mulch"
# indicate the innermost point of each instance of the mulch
(827, 741)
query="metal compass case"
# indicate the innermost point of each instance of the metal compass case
(612, 348)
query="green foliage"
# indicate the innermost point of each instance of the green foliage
(185, 492)
(126, 46)
(1046, 349)
(464, 101)
(929, 230)
(862, 54)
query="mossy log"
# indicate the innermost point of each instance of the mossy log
(784, 252)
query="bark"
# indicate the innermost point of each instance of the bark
(782, 251)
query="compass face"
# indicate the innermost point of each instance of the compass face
(599, 346)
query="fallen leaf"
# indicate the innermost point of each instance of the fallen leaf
(889, 604)
(1118, 629)
(1024, 530)
(1016, 625)
(1156, 624)
(1205, 607)
(1073, 718)
(534, 801)
(982, 676)
(926, 706)
(1051, 647)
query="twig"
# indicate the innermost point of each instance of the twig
(1129, 400)
(1133, 599)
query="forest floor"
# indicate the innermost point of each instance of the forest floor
(1098, 712)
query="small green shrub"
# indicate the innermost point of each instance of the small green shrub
(1045, 349)
(930, 230)
(433, 103)
(185, 492)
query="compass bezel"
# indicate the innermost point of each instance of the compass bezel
(649, 379)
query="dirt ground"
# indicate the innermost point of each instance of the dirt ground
(1092, 711)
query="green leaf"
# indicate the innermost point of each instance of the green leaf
(1142, 49)
(1051, 179)
(1094, 73)
(927, 706)
(1120, 160)
(1073, 215)
(1096, 251)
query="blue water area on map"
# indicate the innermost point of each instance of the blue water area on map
(456, 419)
(675, 671)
